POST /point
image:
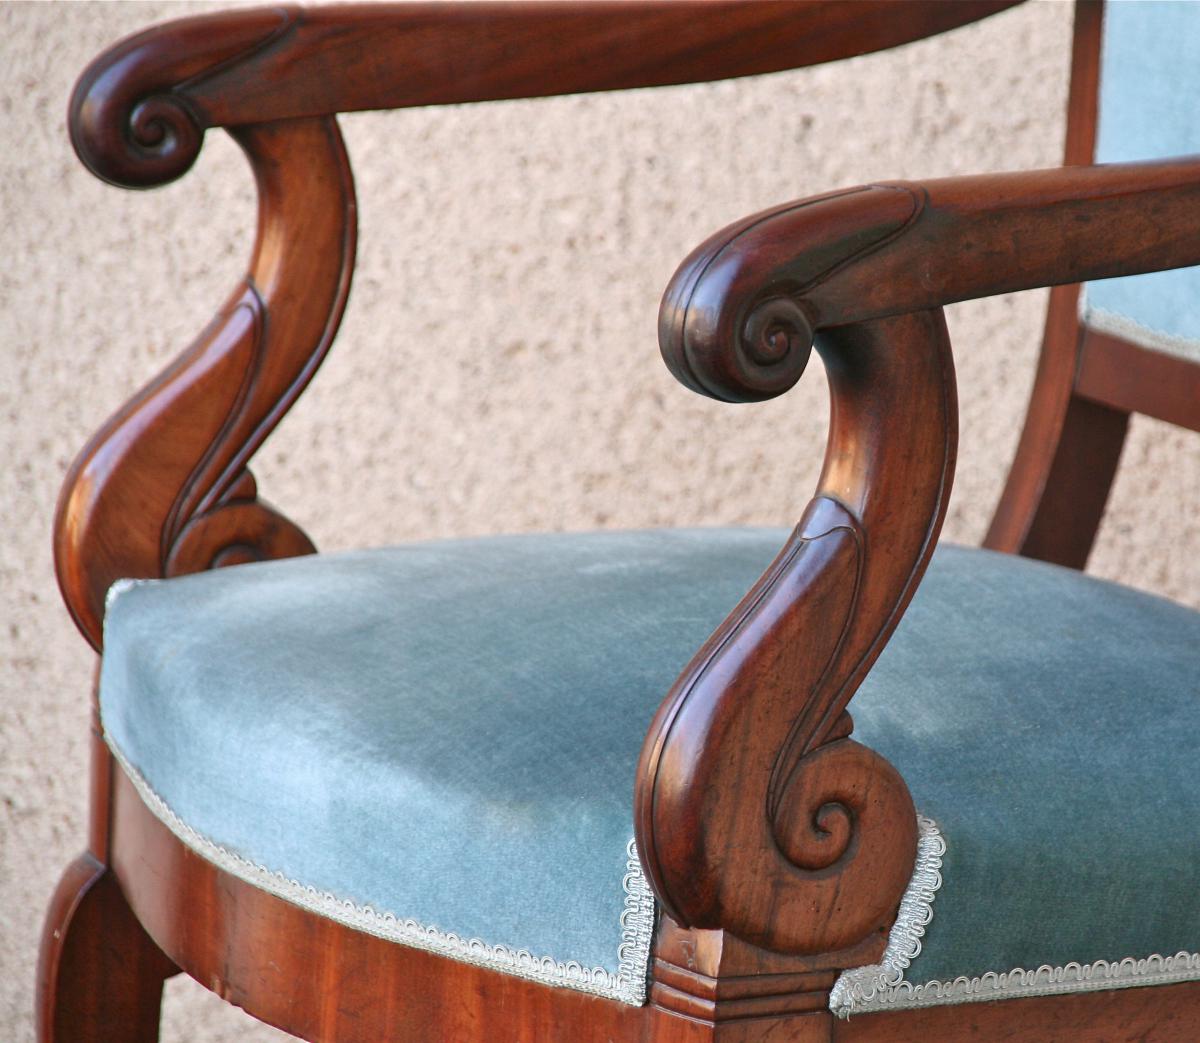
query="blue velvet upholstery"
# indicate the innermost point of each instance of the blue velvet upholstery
(1150, 79)
(1049, 723)
(447, 733)
(444, 731)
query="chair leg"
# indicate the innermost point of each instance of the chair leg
(100, 976)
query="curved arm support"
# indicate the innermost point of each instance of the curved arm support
(139, 112)
(162, 488)
(755, 812)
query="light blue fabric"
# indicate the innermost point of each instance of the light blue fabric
(446, 731)
(1149, 91)
(1050, 723)
(449, 732)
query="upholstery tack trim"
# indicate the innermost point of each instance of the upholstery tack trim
(882, 986)
(637, 920)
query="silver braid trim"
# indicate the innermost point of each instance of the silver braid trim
(633, 954)
(861, 988)
(119, 588)
(882, 986)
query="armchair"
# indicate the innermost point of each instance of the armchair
(408, 814)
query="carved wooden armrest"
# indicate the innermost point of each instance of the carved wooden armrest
(756, 814)
(163, 487)
(140, 110)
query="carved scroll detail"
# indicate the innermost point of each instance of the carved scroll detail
(769, 264)
(756, 813)
(163, 488)
(131, 120)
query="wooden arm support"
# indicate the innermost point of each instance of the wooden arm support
(756, 813)
(139, 112)
(162, 489)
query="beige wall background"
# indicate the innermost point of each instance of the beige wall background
(497, 368)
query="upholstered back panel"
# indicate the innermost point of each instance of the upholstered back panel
(1149, 109)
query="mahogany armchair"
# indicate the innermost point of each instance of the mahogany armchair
(295, 807)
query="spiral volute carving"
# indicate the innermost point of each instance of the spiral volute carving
(234, 534)
(137, 115)
(822, 840)
(165, 136)
(131, 136)
(839, 812)
(774, 347)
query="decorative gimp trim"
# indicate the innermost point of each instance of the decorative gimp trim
(882, 986)
(119, 588)
(860, 988)
(637, 920)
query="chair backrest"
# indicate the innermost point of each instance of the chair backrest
(1118, 346)
(1149, 56)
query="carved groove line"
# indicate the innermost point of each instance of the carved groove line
(179, 516)
(920, 199)
(289, 21)
(328, 332)
(209, 492)
(781, 774)
(932, 528)
(780, 570)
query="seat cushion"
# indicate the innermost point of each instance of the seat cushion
(1049, 723)
(437, 743)
(1149, 77)
(443, 735)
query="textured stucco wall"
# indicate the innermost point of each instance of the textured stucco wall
(497, 368)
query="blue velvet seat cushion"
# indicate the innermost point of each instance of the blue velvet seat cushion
(1049, 723)
(442, 734)
(437, 743)
(1149, 82)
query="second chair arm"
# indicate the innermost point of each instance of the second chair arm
(755, 812)
(891, 248)
(140, 110)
